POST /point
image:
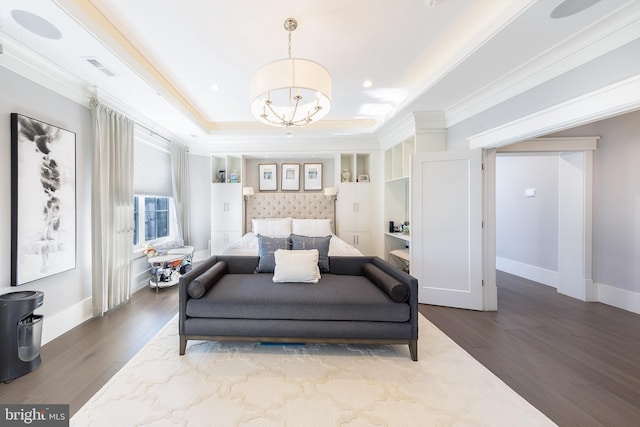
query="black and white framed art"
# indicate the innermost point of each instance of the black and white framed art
(43, 199)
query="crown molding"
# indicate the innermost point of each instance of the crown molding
(25, 62)
(605, 36)
(609, 101)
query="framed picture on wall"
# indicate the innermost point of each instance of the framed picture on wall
(268, 176)
(290, 177)
(312, 176)
(43, 199)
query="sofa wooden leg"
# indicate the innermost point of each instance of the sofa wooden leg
(413, 349)
(183, 344)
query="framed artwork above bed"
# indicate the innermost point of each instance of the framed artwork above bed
(312, 176)
(268, 174)
(290, 176)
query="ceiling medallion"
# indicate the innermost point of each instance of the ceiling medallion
(290, 92)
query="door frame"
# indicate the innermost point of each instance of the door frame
(574, 225)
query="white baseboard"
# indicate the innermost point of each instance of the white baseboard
(140, 280)
(57, 324)
(621, 298)
(594, 292)
(531, 272)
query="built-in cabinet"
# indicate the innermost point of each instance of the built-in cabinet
(226, 201)
(354, 214)
(428, 134)
(351, 173)
(354, 201)
(226, 215)
(397, 166)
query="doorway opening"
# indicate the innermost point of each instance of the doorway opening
(540, 192)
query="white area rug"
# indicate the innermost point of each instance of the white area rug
(244, 384)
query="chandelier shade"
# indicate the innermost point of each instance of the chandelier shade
(290, 92)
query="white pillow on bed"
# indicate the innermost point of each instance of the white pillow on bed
(296, 266)
(277, 227)
(311, 227)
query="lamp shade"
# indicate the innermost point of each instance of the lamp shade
(247, 191)
(331, 191)
(274, 85)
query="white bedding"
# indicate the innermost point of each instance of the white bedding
(248, 245)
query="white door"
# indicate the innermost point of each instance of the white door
(446, 229)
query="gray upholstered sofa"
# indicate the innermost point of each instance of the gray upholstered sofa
(361, 300)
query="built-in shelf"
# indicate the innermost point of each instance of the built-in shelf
(229, 165)
(354, 167)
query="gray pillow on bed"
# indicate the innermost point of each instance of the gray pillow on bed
(320, 243)
(266, 247)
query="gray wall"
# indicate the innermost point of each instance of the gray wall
(251, 170)
(200, 200)
(527, 227)
(616, 200)
(19, 95)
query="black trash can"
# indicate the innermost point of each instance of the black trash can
(22, 333)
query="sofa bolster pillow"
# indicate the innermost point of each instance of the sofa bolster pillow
(201, 284)
(399, 292)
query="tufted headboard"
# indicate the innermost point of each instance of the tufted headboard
(293, 205)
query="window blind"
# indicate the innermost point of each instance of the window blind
(152, 166)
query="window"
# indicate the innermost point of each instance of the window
(153, 219)
(153, 210)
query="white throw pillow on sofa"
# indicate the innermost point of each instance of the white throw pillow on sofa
(296, 266)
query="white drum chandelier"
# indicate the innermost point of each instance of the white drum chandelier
(290, 92)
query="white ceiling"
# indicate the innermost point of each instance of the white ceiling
(456, 56)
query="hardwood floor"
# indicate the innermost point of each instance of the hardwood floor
(579, 363)
(77, 364)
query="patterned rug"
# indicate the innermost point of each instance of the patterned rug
(246, 384)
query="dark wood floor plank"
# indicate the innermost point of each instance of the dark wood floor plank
(579, 363)
(78, 363)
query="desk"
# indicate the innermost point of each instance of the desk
(164, 270)
(403, 257)
(397, 245)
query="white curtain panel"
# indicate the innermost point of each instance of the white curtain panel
(180, 181)
(112, 207)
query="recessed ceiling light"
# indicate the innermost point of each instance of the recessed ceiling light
(215, 87)
(367, 84)
(289, 134)
(571, 7)
(36, 24)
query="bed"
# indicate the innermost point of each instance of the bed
(276, 215)
(248, 245)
